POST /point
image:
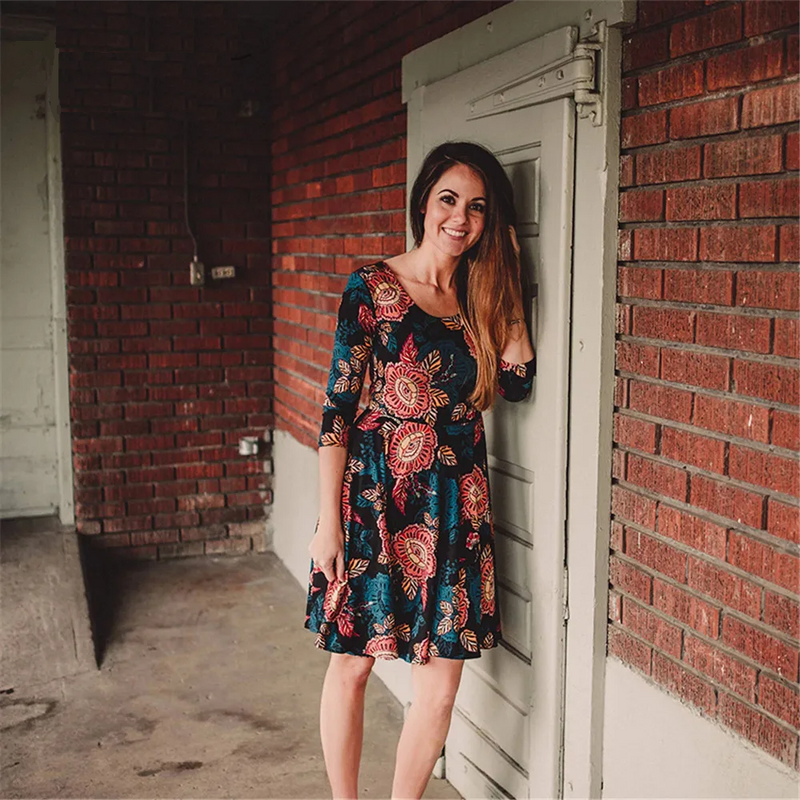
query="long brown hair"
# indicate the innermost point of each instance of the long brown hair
(488, 276)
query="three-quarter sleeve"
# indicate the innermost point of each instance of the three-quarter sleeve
(515, 381)
(352, 348)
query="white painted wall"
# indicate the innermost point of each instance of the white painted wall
(656, 746)
(28, 441)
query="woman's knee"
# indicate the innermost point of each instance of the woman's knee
(437, 692)
(351, 670)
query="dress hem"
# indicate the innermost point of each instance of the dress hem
(409, 658)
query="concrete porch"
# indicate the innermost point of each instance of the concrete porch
(209, 687)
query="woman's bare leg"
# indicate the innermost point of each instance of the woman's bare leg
(341, 720)
(426, 725)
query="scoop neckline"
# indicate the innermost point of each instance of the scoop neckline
(414, 303)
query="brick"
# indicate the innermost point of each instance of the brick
(735, 332)
(622, 318)
(761, 647)
(636, 433)
(625, 245)
(614, 606)
(701, 202)
(629, 649)
(773, 198)
(769, 15)
(730, 590)
(628, 578)
(676, 83)
(765, 469)
(651, 627)
(779, 699)
(695, 369)
(691, 448)
(686, 685)
(649, 127)
(643, 49)
(660, 401)
(783, 520)
(787, 337)
(665, 244)
(732, 417)
(653, 13)
(727, 500)
(686, 608)
(721, 667)
(641, 359)
(763, 561)
(626, 164)
(746, 65)
(668, 324)
(628, 94)
(704, 32)
(706, 118)
(771, 106)
(656, 555)
(639, 204)
(786, 429)
(790, 244)
(778, 290)
(768, 381)
(669, 165)
(639, 282)
(699, 286)
(230, 546)
(753, 156)
(782, 613)
(793, 150)
(633, 507)
(728, 243)
(757, 728)
(656, 477)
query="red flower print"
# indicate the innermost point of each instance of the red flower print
(487, 582)
(382, 647)
(335, 597)
(407, 390)
(391, 302)
(411, 448)
(415, 550)
(473, 493)
(460, 601)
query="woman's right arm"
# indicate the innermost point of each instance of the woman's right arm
(351, 354)
(327, 546)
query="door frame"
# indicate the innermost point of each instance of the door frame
(591, 372)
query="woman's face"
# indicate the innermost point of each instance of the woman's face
(455, 213)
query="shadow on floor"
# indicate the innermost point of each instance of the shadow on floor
(103, 580)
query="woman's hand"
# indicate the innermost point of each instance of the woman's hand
(327, 549)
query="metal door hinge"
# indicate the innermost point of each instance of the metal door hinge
(575, 75)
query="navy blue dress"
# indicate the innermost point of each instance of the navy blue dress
(416, 509)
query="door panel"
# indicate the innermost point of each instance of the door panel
(505, 740)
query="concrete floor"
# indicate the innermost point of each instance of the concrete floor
(209, 688)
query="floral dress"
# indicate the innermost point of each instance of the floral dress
(415, 506)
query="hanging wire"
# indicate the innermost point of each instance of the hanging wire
(186, 183)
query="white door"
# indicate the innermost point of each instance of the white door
(28, 430)
(506, 736)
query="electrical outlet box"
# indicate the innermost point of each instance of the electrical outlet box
(197, 273)
(223, 272)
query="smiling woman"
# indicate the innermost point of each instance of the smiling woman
(403, 559)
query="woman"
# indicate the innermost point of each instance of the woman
(403, 555)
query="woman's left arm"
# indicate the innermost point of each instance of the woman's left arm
(517, 363)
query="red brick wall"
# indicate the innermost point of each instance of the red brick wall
(338, 183)
(706, 525)
(165, 377)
